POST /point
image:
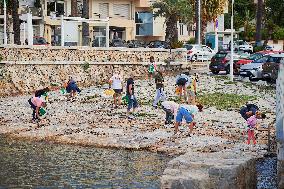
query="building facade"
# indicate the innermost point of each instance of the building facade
(127, 20)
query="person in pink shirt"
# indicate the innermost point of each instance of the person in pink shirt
(252, 124)
(36, 103)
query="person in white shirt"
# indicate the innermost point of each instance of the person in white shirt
(116, 84)
(187, 112)
(170, 107)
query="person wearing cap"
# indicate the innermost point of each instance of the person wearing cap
(187, 112)
(36, 103)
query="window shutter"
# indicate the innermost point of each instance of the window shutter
(103, 10)
(121, 10)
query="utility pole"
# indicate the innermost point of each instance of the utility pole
(5, 23)
(199, 22)
(232, 44)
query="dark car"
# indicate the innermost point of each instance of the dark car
(117, 43)
(158, 44)
(39, 41)
(270, 69)
(221, 62)
(134, 44)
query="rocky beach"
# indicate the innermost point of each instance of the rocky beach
(217, 141)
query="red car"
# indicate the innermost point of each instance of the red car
(253, 57)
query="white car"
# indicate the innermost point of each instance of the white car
(199, 52)
(241, 45)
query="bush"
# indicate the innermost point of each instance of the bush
(177, 44)
(191, 41)
(257, 49)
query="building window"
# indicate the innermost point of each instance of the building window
(55, 8)
(144, 23)
(121, 10)
(181, 29)
(99, 37)
(103, 10)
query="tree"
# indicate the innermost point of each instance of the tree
(16, 22)
(85, 25)
(74, 8)
(259, 15)
(210, 10)
(12, 9)
(275, 12)
(173, 11)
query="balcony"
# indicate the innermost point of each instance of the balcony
(33, 10)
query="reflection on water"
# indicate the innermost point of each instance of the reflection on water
(42, 165)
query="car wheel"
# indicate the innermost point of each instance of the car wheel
(227, 70)
(194, 58)
(252, 79)
(215, 72)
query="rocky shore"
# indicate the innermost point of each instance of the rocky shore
(217, 140)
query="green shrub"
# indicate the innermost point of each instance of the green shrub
(176, 44)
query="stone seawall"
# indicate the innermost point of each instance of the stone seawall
(16, 79)
(24, 70)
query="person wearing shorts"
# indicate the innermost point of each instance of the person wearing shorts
(116, 84)
(187, 112)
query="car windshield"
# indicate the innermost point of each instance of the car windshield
(261, 60)
(188, 47)
(274, 59)
(254, 56)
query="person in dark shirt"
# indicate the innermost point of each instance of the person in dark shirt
(132, 101)
(249, 110)
(160, 94)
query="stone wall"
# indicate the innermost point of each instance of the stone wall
(220, 170)
(110, 55)
(280, 126)
(24, 70)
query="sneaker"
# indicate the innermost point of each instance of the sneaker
(156, 107)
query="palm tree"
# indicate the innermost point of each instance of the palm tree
(12, 9)
(85, 25)
(259, 15)
(173, 11)
(16, 22)
(74, 8)
(210, 10)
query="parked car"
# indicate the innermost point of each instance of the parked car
(270, 68)
(254, 69)
(134, 44)
(221, 62)
(252, 58)
(158, 44)
(39, 41)
(243, 46)
(198, 52)
(117, 43)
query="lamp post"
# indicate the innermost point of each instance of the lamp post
(199, 22)
(5, 23)
(232, 44)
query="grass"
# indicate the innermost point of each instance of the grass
(220, 77)
(223, 101)
(230, 82)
